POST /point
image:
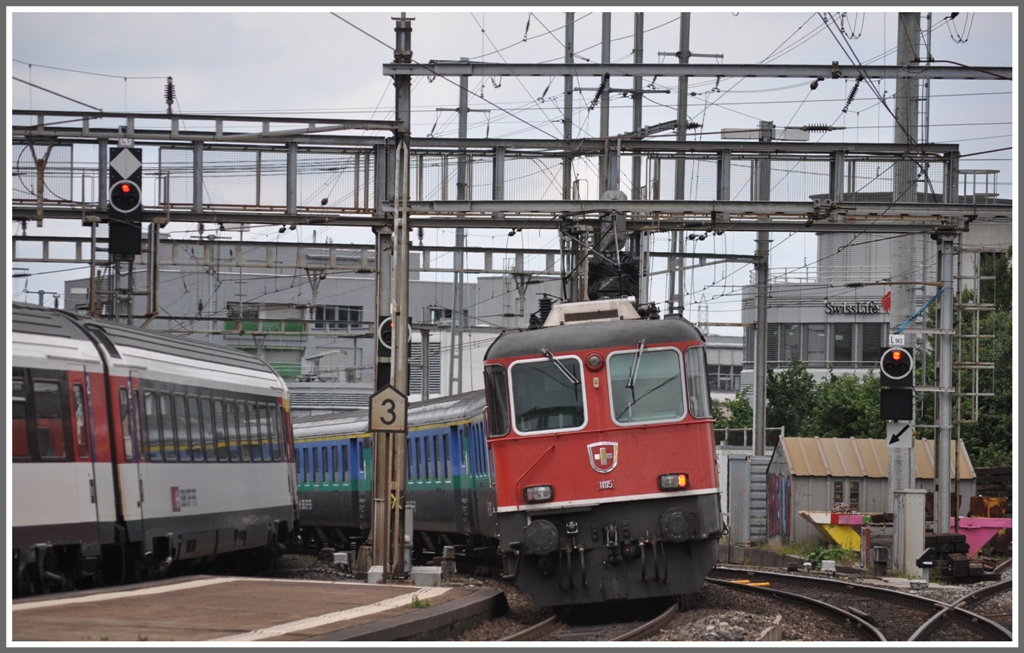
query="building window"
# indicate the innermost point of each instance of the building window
(854, 495)
(790, 342)
(338, 317)
(816, 342)
(773, 342)
(438, 314)
(842, 342)
(837, 492)
(871, 342)
(243, 311)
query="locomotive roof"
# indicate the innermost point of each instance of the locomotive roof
(421, 413)
(595, 335)
(48, 321)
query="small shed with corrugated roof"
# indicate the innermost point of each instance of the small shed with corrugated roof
(818, 473)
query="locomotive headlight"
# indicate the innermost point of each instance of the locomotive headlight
(538, 493)
(594, 361)
(673, 481)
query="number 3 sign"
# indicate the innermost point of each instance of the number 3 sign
(388, 410)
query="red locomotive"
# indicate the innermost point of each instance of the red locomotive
(600, 428)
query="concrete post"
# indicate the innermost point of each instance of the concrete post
(761, 189)
(908, 539)
(901, 461)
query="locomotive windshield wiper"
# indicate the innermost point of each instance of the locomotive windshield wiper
(561, 368)
(636, 365)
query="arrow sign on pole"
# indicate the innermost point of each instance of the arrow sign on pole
(899, 435)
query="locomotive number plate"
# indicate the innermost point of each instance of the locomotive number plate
(605, 485)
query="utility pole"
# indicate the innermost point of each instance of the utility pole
(606, 57)
(389, 449)
(761, 191)
(675, 276)
(458, 278)
(574, 255)
(901, 460)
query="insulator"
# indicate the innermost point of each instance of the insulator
(693, 125)
(853, 92)
(818, 128)
(600, 90)
(169, 94)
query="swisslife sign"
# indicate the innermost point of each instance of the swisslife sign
(858, 308)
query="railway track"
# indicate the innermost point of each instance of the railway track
(556, 629)
(896, 616)
(952, 617)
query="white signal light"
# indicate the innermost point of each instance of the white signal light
(538, 493)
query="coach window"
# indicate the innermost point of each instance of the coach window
(152, 426)
(167, 427)
(334, 464)
(19, 418)
(346, 454)
(547, 395)
(209, 443)
(181, 428)
(255, 434)
(232, 430)
(126, 429)
(138, 424)
(697, 383)
(81, 429)
(646, 385)
(447, 457)
(305, 465)
(327, 467)
(496, 391)
(276, 432)
(243, 432)
(49, 419)
(195, 429)
(219, 430)
(265, 435)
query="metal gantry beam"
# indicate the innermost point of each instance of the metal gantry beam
(809, 71)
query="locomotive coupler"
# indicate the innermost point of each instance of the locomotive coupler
(611, 542)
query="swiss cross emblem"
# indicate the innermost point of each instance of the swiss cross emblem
(603, 456)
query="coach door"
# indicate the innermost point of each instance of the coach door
(132, 490)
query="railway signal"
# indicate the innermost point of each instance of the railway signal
(124, 206)
(897, 378)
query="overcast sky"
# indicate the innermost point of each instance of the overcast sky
(312, 63)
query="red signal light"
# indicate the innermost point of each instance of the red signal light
(897, 355)
(125, 188)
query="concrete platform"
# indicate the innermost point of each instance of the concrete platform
(234, 609)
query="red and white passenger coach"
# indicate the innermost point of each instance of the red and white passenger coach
(604, 456)
(133, 451)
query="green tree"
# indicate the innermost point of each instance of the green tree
(790, 398)
(989, 442)
(846, 406)
(733, 413)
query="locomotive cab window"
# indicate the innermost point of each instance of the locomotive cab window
(496, 392)
(547, 395)
(697, 383)
(646, 385)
